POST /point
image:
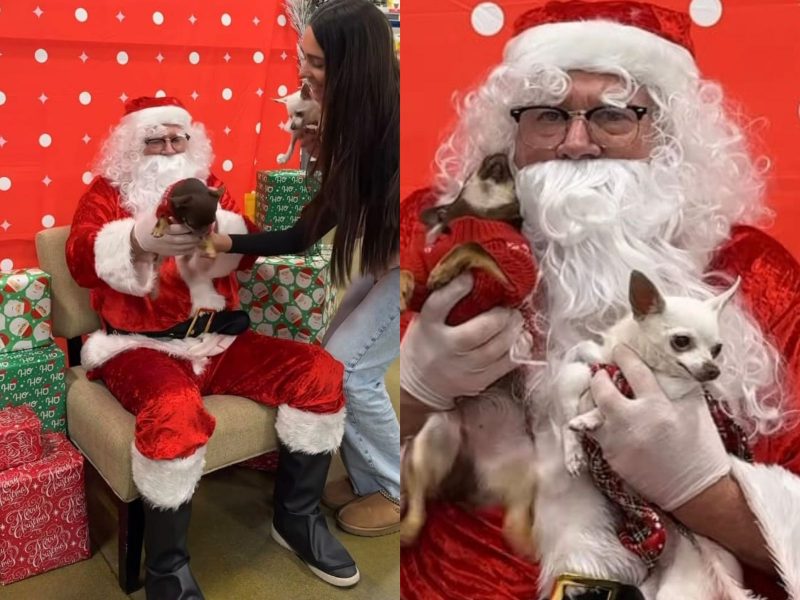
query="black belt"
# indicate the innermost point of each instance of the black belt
(229, 322)
(577, 587)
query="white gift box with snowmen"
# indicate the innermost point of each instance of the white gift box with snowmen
(289, 297)
(24, 310)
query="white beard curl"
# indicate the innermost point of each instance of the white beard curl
(150, 178)
(590, 223)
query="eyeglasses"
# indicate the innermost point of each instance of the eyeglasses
(546, 127)
(178, 142)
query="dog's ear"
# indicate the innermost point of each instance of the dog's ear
(645, 299)
(717, 303)
(305, 91)
(433, 216)
(217, 192)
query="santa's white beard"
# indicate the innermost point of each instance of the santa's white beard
(150, 177)
(590, 223)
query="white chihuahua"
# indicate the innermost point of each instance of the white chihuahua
(575, 531)
(304, 113)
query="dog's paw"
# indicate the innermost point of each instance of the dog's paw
(575, 463)
(586, 422)
(283, 159)
(410, 528)
(407, 285)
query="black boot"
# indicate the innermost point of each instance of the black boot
(166, 556)
(299, 525)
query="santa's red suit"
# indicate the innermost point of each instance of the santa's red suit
(461, 554)
(162, 381)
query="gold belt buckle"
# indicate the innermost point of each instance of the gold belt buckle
(200, 312)
(570, 582)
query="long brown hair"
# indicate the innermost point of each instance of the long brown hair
(359, 155)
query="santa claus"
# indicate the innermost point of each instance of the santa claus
(624, 158)
(160, 352)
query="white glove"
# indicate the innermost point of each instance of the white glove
(177, 239)
(668, 451)
(439, 363)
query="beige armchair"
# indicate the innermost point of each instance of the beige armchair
(103, 430)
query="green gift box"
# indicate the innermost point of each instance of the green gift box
(36, 378)
(280, 198)
(24, 310)
(289, 297)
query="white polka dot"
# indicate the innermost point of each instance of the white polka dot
(87, 177)
(258, 127)
(282, 20)
(282, 91)
(6, 264)
(84, 98)
(45, 140)
(705, 13)
(81, 14)
(2, 98)
(225, 19)
(40, 55)
(194, 57)
(122, 57)
(258, 57)
(160, 93)
(227, 165)
(5, 184)
(48, 221)
(487, 18)
(227, 94)
(158, 18)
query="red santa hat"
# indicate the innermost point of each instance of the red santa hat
(157, 111)
(650, 42)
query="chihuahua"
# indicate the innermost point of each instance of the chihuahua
(191, 203)
(481, 452)
(679, 339)
(488, 193)
(304, 113)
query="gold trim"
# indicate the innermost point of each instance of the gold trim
(200, 312)
(565, 580)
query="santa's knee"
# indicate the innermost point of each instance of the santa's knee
(310, 432)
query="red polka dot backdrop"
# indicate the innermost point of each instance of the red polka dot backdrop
(68, 66)
(751, 48)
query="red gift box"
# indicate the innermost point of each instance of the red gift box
(43, 520)
(20, 437)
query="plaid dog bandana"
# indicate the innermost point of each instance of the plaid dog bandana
(642, 530)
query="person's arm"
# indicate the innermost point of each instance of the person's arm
(271, 243)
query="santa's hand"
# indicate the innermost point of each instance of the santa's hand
(439, 363)
(668, 451)
(177, 239)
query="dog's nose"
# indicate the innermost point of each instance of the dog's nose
(709, 373)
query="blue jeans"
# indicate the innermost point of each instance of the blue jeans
(365, 337)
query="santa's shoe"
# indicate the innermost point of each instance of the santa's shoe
(168, 576)
(338, 493)
(298, 524)
(370, 516)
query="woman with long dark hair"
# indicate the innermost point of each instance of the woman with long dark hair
(349, 62)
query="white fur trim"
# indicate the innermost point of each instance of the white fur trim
(773, 494)
(311, 433)
(649, 58)
(160, 115)
(113, 260)
(167, 484)
(101, 347)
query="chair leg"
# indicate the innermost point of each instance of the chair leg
(131, 537)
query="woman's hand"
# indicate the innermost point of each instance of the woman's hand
(221, 241)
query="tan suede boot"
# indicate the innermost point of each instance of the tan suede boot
(338, 493)
(370, 516)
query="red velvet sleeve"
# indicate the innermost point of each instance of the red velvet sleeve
(97, 207)
(771, 291)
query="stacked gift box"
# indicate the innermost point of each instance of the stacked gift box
(290, 296)
(31, 365)
(43, 519)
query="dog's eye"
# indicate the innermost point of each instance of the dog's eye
(681, 343)
(715, 350)
(300, 113)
